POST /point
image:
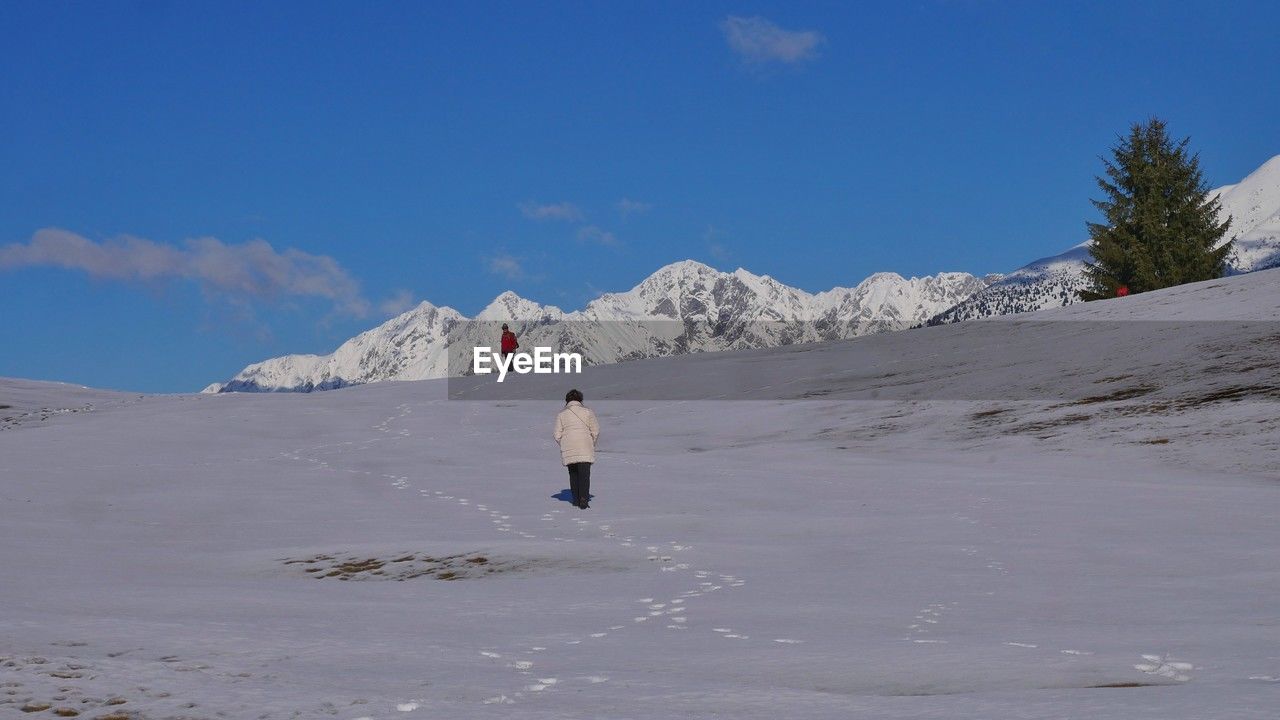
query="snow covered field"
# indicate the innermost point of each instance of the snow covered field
(999, 519)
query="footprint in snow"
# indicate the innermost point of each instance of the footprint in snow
(541, 685)
(1163, 666)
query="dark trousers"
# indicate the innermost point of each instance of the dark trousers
(580, 481)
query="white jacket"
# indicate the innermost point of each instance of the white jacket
(576, 433)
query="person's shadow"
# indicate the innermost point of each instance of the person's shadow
(566, 495)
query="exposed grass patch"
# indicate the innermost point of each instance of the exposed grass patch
(1233, 393)
(1113, 378)
(1270, 342)
(401, 567)
(1043, 425)
(1160, 408)
(1260, 365)
(1128, 393)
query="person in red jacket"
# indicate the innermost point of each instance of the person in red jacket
(509, 343)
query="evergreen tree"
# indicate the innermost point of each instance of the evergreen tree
(1161, 227)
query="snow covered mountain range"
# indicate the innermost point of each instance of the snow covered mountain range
(683, 307)
(1254, 207)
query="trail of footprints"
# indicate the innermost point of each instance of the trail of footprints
(672, 614)
(930, 617)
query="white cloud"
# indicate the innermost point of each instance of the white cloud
(505, 265)
(591, 233)
(401, 301)
(758, 40)
(566, 211)
(715, 248)
(627, 207)
(249, 271)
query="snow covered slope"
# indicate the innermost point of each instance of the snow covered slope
(1253, 205)
(26, 403)
(1035, 532)
(683, 307)
(1167, 361)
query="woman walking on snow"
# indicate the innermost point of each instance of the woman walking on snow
(576, 434)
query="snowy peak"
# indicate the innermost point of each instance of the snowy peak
(1254, 200)
(509, 307)
(886, 300)
(1254, 207)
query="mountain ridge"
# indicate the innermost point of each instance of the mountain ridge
(685, 306)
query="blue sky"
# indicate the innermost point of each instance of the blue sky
(189, 187)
